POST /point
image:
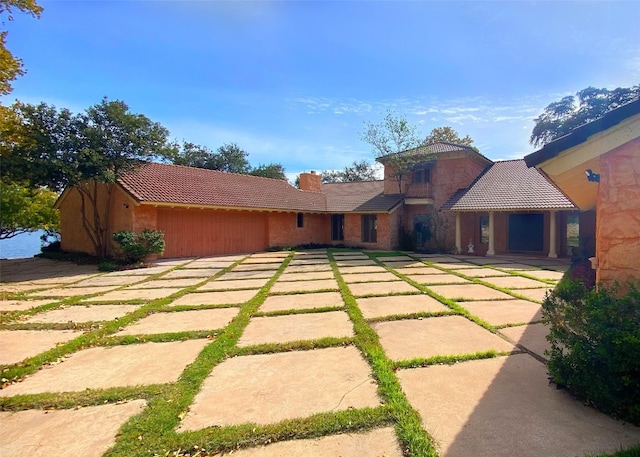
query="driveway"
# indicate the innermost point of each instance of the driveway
(309, 353)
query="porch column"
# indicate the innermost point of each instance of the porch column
(458, 235)
(492, 249)
(552, 235)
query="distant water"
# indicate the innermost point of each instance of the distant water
(21, 246)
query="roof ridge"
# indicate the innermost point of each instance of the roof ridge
(209, 170)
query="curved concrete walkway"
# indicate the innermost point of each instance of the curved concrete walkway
(502, 406)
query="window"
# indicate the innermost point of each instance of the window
(417, 175)
(484, 229)
(421, 175)
(337, 227)
(300, 220)
(369, 228)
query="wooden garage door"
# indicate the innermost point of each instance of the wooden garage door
(208, 232)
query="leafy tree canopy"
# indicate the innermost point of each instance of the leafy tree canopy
(229, 158)
(11, 66)
(561, 117)
(358, 171)
(271, 170)
(448, 135)
(26, 209)
(391, 137)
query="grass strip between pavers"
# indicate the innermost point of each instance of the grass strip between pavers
(408, 424)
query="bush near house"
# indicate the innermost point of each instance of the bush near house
(595, 345)
(136, 247)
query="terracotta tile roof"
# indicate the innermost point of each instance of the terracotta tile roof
(509, 185)
(364, 196)
(436, 149)
(163, 183)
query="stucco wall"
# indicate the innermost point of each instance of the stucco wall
(618, 215)
(283, 229)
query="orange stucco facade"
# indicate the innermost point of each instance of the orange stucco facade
(618, 215)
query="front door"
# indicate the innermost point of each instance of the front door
(526, 232)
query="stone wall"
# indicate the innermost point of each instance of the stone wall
(618, 215)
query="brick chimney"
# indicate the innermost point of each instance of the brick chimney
(311, 182)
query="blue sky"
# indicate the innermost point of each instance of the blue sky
(294, 81)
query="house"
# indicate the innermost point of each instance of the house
(598, 166)
(449, 197)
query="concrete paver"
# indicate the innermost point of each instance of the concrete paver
(17, 345)
(505, 407)
(375, 443)
(234, 284)
(103, 367)
(534, 294)
(395, 258)
(192, 273)
(469, 292)
(181, 321)
(503, 312)
(22, 305)
(296, 327)
(310, 261)
(247, 274)
(71, 291)
(369, 277)
(398, 304)
(362, 269)
(134, 294)
(276, 261)
(423, 270)
(482, 272)
(286, 386)
(307, 268)
(355, 262)
(304, 286)
(234, 297)
(178, 283)
(82, 313)
(533, 337)
(381, 288)
(438, 279)
(437, 258)
(311, 276)
(88, 431)
(545, 274)
(257, 267)
(210, 265)
(447, 335)
(515, 282)
(108, 281)
(454, 265)
(301, 301)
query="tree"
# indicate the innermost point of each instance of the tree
(229, 158)
(87, 152)
(10, 66)
(391, 139)
(561, 117)
(448, 135)
(271, 170)
(26, 209)
(358, 171)
(194, 155)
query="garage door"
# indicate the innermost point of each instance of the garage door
(207, 232)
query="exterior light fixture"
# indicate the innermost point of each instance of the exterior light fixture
(591, 176)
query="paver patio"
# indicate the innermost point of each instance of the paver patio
(369, 277)
(534, 294)
(82, 313)
(103, 367)
(438, 279)
(447, 335)
(372, 307)
(304, 286)
(222, 284)
(289, 385)
(88, 431)
(181, 321)
(17, 345)
(302, 301)
(515, 282)
(505, 407)
(166, 283)
(71, 291)
(502, 406)
(375, 443)
(296, 327)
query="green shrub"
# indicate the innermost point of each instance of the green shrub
(107, 265)
(595, 345)
(136, 247)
